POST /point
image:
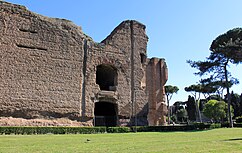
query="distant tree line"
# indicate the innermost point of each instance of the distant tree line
(213, 109)
(225, 50)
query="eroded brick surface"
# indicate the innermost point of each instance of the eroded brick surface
(49, 69)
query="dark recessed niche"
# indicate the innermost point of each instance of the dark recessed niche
(142, 58)
(31, 47)
(28, 30)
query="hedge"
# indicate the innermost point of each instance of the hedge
(238, 119)
(226, 125)
(53, 130)
(118, 130)
(238, 125)
(93, 130)
(195, 126)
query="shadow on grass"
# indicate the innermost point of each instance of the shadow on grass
(235, 139)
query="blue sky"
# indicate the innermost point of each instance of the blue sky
(178, 30)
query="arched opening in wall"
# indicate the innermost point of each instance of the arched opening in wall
(105, 114)
(106, 77)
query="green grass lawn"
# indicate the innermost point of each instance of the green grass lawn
(217, 140)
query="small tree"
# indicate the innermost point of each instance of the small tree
(215, 110)
(235, 103)
(209, 109)
(181, 114)
(170, 90)
(240, 102)
(191, 108)
(196, 91)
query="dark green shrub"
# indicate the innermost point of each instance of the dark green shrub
(238, 125)
(164, 128)
(238, 119)
(53, 130)
(215, 125)
(225, 125)
(195, 126)
(90, 130)
(118, 129)
(201, 126)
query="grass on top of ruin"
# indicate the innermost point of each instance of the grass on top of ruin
(221, 140)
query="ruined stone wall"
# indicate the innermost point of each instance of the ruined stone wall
(41, 60)
(48, 70)
(140, 40)
(122, 49)
(157, 75)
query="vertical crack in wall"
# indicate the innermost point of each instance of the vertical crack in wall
(84, 71)
(132, 66)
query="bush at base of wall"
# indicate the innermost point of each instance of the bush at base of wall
(53, 130)
(195, 126)
(94, 130)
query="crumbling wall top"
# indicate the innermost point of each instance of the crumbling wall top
(62, 24)
(122, 25)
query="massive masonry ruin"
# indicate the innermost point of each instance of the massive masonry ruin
(51, 69)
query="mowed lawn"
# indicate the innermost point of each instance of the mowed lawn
(222, 140)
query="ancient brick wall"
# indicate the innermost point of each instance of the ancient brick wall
(40, 64)
(122, 50)
(157, 75)
(51, 69)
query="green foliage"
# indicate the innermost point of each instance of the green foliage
(193, 88)
(226, 125)
(235, 102)
(225, 49)
(229, 45)
(215, 65)
(173, 118)
(202, 126)
(171, 89)
(239, 125)
(210, 86)
(238, 119)
(220, 109)
(215, 125)
(53, 130)
(93, 130)
(196, 88)
(209, 110)
(214, 97)
(181, 115)
(191, 108)
(62, 130)
(118, 129)
(164, 128)
(215, 110)
(194, 126)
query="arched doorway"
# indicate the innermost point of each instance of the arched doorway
(106, 77)
(105, 114)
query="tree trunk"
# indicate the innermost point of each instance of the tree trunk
(228, 97)
(197, 109)
(168, 109)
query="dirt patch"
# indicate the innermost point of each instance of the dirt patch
(10, 121)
